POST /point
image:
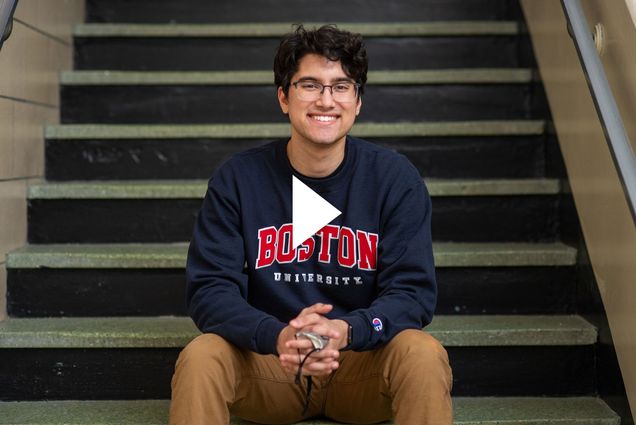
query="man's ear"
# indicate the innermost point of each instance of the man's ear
(359, 105)
(282, 101)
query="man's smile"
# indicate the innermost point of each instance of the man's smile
(323, 117)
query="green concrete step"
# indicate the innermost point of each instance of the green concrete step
(270, 130)
(254, 30)
(173, 255)
(167, 332)
(195, 189)
(406, 77)
(466, 411)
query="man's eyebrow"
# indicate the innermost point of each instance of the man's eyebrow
(336, 80)
(308, 79)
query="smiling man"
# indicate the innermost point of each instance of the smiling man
(322, 110)
(365, 282)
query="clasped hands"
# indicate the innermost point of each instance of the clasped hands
(292, 351)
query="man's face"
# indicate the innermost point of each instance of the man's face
(323, 121)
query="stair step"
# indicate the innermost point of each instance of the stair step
(146, 11)
(250, 46)
(133, 358)
(196, 189)
(475, 149)
(129, 212)
(415, 95)
(45, 292)
(466, 411)
(270, 130)
(171, 332)
(277, 29)
(173, 255)
(397, 77)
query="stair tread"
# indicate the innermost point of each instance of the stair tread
(170, 331)
(195, 189)
(273, 130)
(428, 76)
(466, 411)
(276, 29)
(173, 255)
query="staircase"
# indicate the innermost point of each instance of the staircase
(163, 92)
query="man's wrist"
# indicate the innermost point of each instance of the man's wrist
(284, 336)
(345, 331)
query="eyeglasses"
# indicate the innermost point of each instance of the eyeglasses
(344, 91)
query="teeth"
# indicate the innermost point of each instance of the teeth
(323, 118)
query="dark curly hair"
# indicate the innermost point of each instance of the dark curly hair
(327, 41)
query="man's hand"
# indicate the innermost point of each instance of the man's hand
(292, 351)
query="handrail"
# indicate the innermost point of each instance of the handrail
(7, 7)
(604, 102)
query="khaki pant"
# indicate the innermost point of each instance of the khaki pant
(408, 380)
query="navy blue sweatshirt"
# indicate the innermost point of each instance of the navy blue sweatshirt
(373, 263)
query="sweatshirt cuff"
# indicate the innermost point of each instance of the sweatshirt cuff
(360, 330)
(266, 335)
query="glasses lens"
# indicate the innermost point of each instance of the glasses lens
(343, 92)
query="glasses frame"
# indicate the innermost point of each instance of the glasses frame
(324, 86)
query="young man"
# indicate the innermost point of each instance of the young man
(366, 280)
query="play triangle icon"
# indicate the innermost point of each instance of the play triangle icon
(310, 212)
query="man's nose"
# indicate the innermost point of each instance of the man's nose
(326, 97)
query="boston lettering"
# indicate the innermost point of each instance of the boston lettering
(350, 248)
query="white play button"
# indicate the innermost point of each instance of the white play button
(310, 212)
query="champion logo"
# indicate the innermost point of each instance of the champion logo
(377, 324)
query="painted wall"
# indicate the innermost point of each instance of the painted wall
(30, 60)
(608, 228)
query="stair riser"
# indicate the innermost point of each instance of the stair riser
(86, 374)
(224, 54)
(236, 104)
(204, 11)
(148, 292)
(465, 219)
(440, 157)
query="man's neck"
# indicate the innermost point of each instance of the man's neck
(315, 160)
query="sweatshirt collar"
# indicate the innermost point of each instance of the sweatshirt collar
(330, 183)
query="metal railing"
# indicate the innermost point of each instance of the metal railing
(619, 145)
(7, 7)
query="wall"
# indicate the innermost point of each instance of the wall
(30, 60)
(607, 225)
